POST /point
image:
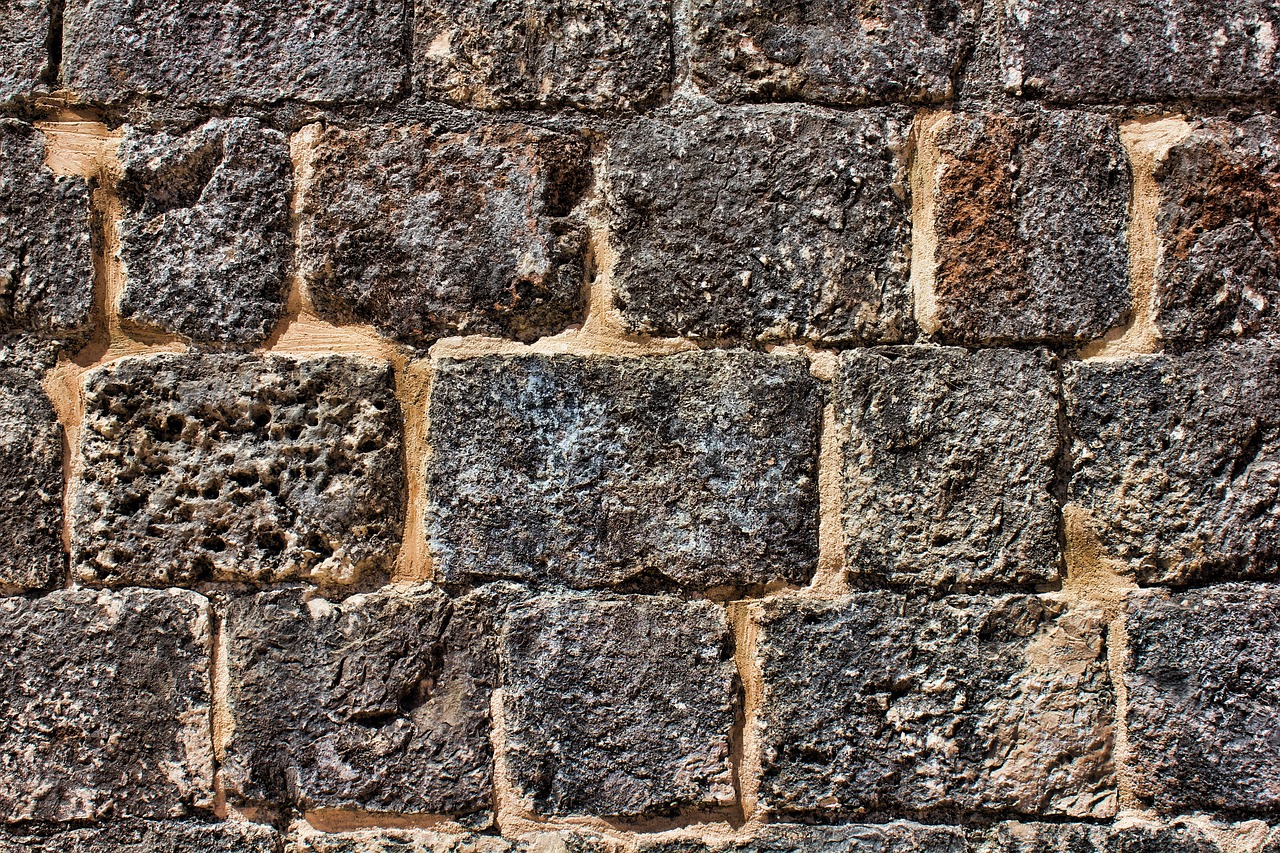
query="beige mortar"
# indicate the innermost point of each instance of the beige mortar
(925, 171)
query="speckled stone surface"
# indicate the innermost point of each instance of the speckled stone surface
(895, 837)
(24, 54)
(303, 839)
(1131, 837)
(135, 836)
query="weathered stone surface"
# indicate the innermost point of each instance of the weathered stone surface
(151, 837)
(605, 54)
(1030, 219)
(303, 839)
(830, 52)
(1132, 837)
(1218, 223)
(896, 837)
(24, 54)
(240, 50)
(236, 467)
(1138, 50)
(46, 270)
(104, 705)
(949, 465)
(425, 234)
(618, 707)
(1204, 697)
(786, 222)
(379, 702)
(876, 701)
(205, 237)
(1178, 461)
(696, 469)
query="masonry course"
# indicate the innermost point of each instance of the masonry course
(23, 56)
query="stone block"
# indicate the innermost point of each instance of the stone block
(233, 467)
(884, 703)
(787, 222)
(24, 52)
(895, 837)
(104, 705)
(618, 707)
(205, 235)
(697, 470)
(950, 465)
(424, 234)
(169, 836)
(1177, 459)
(303, 839)
(1130, 837)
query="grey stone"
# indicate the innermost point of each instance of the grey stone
(618, 707)
(1177, 459)
(303, 839)
(1204, 697)
(787, 222)
(235, 51)
(424, 234)
(24, 52)
(377, 703)
(235, 467)
(896, 837)
(979, 704)
(831, 52)
(205, 236)
(1030, 221)
(605, 54)
(695, 469)
(1014, 837)
(104, 705)
(133, 836)
(949, 465)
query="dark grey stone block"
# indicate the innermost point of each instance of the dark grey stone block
(896, 837)
(169, 836)
(307, 840)
(24, 51)
(1014, 837)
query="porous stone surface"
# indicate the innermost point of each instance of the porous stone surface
(304, 839)
(949, 465)
(983, 704)
(896, 837)
(1204, 697)
(606, 54)
(135, 836)
(236, 51)
(1218, 223)
(378, 703)
(236, 467)
(104, 705)
(618, 707)
(424, 234)
(1177, 461)
(1030, 220)
(1130, 837)
(24, 55)
(46, 270)
(205, 235)
(787, 222)
(696, 469)
(1139, 50)
(830, 52)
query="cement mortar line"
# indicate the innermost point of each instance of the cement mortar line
(923, 171)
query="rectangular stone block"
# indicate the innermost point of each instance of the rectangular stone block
(169, 836)
(378, 703)
(424, 234)
(205, 236)
(304, 839)
(900, 51)
(787, 222)
(235, 51)
(1029, 224)
(949, 465)
(1100, 51)
(1177, 461)
(608, 54)
(104, 705)
(229, 467)
(895, 837)
(1204, 697)
(696, 470)
(24, 54)
(618, 707)
(1131, 837)
(882, 703)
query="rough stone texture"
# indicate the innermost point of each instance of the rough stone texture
(1140, 50)
(24, 55)
(1218, 223)
(830, 52)
(695, 469)
(1204, 697)
(303, 839)
(1030, 219)
(378, 703)
(46, 270)
(598, 54)
(786, 223)
(1178, 462)
(896, 837)
(104, 705)
(235, 467)
(949, 465)
(239, 50)
(425, 234)
(618, 707)
(982, 704)
(151, 837)
(205, 237)
(1013, 837)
